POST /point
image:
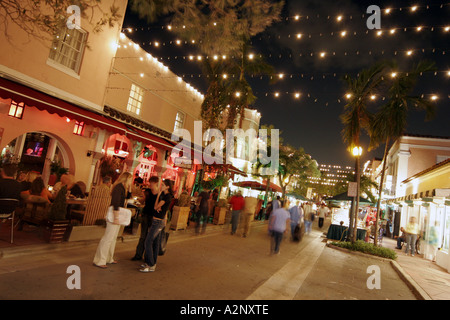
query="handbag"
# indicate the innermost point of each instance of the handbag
(124, 216)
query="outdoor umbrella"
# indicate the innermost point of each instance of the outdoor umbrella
(344, 197)
(255, 185)
(298, 196)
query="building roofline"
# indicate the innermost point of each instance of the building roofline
(436, 166)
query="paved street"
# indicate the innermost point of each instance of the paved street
(215, 266)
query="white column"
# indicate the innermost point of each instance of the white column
(51, 150)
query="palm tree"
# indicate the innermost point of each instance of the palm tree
(356, 117)
(239, 92)
(389, 123)
(221, 28)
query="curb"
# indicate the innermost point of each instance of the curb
(416, 289)
(409, 281)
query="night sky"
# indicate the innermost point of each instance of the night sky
(312, 121)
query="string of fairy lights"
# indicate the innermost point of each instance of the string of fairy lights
(295, 94)
(298, 17)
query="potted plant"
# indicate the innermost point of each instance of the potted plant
(180, 212)
(56, 171)
(56, 224)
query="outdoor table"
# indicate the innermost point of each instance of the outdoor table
(75, 204)
(337, 232)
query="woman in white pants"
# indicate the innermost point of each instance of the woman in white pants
(107, 245)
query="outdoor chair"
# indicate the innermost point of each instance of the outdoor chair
(7, 212)
(97, 204)
(35, 211)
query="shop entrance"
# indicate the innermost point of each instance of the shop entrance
(40, 152)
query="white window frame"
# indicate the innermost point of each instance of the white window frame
(179, 120)
(135, 99)
(65, 55)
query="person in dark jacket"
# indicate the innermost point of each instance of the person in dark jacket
(107, 245)
(159, 222)
(147, 215)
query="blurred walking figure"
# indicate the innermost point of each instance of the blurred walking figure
(309, 217)
(249, 211)
(277, 226)
(203, 210)
(295, 216)
(323, 213)
(237, 204)
(412, 230)
(107, 245)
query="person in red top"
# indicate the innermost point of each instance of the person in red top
(237, 204)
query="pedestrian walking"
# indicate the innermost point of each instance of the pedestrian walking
(309, 217)
(412, 231)
(237, 204)
(152, 241)
(295, 215)
(150, 194)
(248, 214)
(107, 245)
(323, 213)
(277, 227)
(203, 210)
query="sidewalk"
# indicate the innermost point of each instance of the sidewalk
(434, 280)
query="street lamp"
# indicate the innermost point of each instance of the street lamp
(357, 151)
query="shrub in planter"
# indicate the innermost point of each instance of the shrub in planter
(368, 248)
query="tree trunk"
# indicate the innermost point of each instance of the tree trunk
(380, 190)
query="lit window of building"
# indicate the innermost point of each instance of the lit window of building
(78, 128)
(16, 109)
(179, 121)
(68, 47)
(135, 100)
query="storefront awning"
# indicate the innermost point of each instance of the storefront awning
(42, 101)
(45, 102)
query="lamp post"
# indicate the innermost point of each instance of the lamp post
(357, 152)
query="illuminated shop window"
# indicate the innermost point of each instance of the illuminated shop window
(16, 109)
(78, 128)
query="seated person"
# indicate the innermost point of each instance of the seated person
(38, 189)
(9, 187)
(401, 239)
(73, 188)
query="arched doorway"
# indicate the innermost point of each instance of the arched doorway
(41, 152)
